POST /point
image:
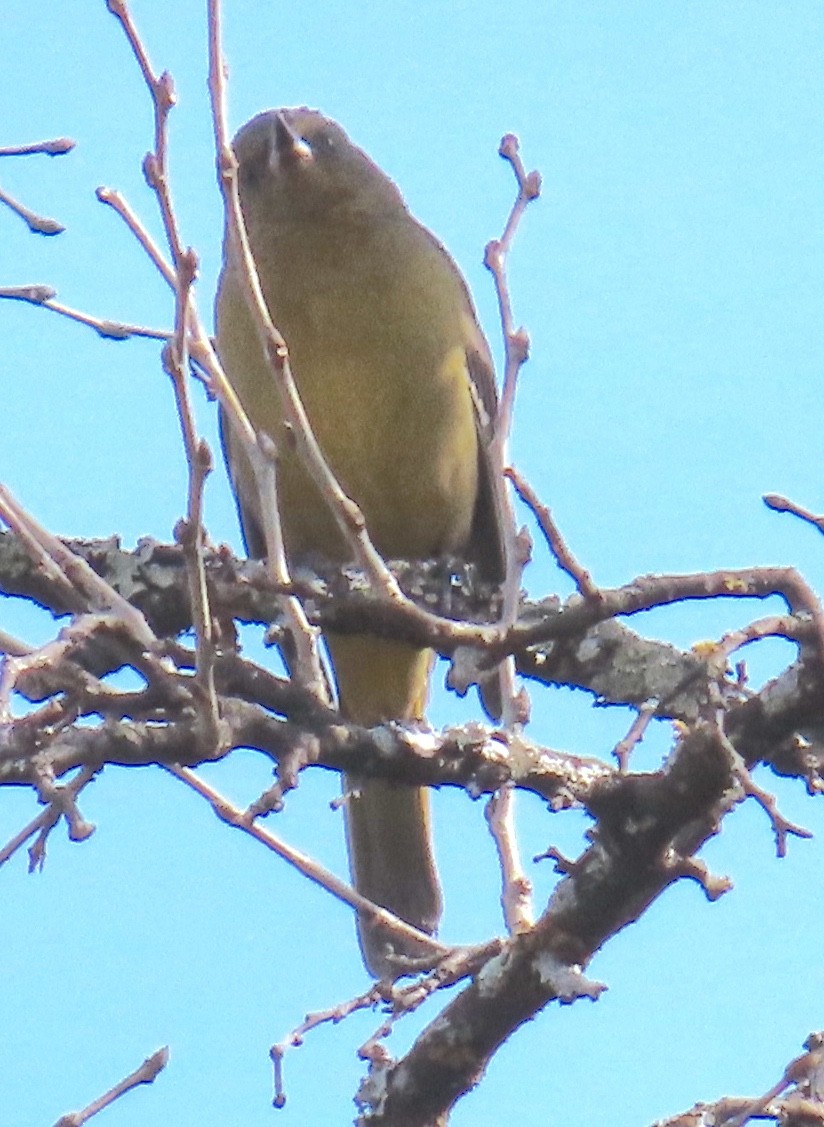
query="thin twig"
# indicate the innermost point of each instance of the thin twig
(404, 998)
(62, 798)
(110, 330)
(37, 224)
(516, 352)
(155, 165)
(371, 997)
(181, 276)
(145, 1074)
(63, 802)
(516, 887)
(118, 203)
(305, 663)
(516, 893)
(552, 534)
(774, 626)
(190, 533)
(229, 813)
(516, 341)
(783, 505)
(53, 148)
(649, 591)
(45, 817)
(623, 749)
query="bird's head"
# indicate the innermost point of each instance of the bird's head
(297, 165)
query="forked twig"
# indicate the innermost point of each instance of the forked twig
(181, 275)
(782, 827)
(516, 890)
(62, 804)
(371, 997)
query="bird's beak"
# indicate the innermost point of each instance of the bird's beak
(290, 147)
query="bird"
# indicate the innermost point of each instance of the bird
(398, 384)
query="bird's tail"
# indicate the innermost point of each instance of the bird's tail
(388, 827)
(390, 852)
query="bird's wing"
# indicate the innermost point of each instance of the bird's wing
(486, 544)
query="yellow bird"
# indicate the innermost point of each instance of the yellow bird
(398, 384)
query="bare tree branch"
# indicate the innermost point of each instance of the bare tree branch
(147, 1073)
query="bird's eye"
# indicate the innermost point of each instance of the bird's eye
(324, 143)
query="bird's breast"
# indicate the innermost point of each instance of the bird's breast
(373, 322)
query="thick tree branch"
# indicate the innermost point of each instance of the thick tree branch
(554, 642)
(631, 861)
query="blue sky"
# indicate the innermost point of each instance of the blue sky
(672, 280)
